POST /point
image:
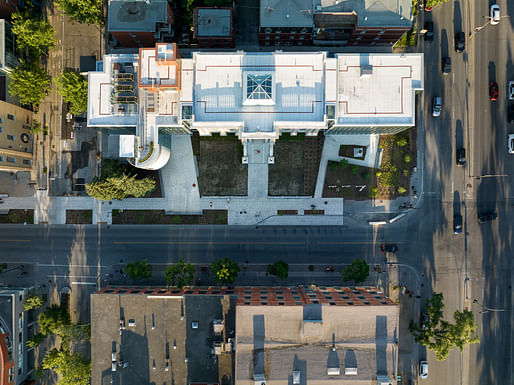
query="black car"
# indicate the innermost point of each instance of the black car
(446, 65)
(460, 42)
(461, 156)
(424, 321)
(457, 224)
(510, 113)
(389, 248)
(429, 34)
(487, 217)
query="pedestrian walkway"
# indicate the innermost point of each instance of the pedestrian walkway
(258, 151)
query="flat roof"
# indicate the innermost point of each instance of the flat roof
(213, 22)
(371, 13)
(136, 15)
(222, 88)
(157, 328)
(286, 13)
(376, 89)
(301, 338)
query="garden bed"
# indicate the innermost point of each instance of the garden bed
(159, 217)
(343, 180)
(79, 217)
(287, 212)
(18, 216)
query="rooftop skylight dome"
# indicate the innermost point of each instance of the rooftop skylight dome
(259, 88)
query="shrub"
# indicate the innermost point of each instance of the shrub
(402, 142)
(365, 174)
(373, 192)
(139, 270)
(407, 158)
(401, 190)
(406, 172)
(378, 173)
(176, 219)
(355, 169)
(334, 166)
(343, 163)
(311, 267)
(279, 269)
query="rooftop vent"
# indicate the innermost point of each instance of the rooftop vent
(333, 371)
(366, 71)
(132, 323)
(194, 324)
(296, 377)
(350, 371)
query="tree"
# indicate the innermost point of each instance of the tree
(37, 35)
(53, 319)
(429, 4)
(139, 270)
(83, 11)
(279, 269)
(33, 301)
(35, 340)
(119, 187)
(30, 83)
(358, 271)
(73, 88)
(36, 127)
(225, 271)
(73, 368)
(74, 333)
(181, 272)
(441, 336)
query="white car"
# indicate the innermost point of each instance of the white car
(495, 14)
(423, 369)
(511, 90)
(510, 143)
(436, 106)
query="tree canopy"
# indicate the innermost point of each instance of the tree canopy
(119, 187)
(358, 271)
(181, 274)
(30, 83)
(442, 336)
(37, 35)
(33, 301)
(53, 319)
(225, 271)
(279, 269)
(73, 88)
(73, 368)
(139, 270)
(429, 4)
(83, 11)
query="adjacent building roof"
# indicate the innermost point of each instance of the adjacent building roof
(316, 344)
(371, 13)
(286, 13)
(161, 338)
(213, 22)
(136, 15)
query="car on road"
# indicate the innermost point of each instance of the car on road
(494, 14)
(437, 104)
(446, 65)
(510, 143)
(511, 90)
(487, 217)
(460, 42)
(423, 369)
(424, 321)
(457, 224)
(389, 248)
(510, 113)
(461, 156)
(429, 34)
(493, 91)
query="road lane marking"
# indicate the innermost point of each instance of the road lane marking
(84, 283)
(239, 243)
(70, 266)
(73, 276)
(15, 240)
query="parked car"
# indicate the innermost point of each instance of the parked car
(389, 248)
(493, 91)
(423, 369)
(461, 156)
(429, 34)
(510, 113)
(460, 42)
(510, 143)
(494, 14)
(457, 224)
(487, 217)
(424, 321)
(437, 104)
(511, 90)
(446, 65)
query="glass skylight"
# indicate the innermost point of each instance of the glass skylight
(259, 87)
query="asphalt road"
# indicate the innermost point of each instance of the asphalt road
(483, 254)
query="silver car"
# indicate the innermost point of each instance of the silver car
(511, 90)
(423, 369)
(436, 106)
(510, 143)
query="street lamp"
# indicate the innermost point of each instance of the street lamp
(487, 310)
(478, 29)
(478, 177)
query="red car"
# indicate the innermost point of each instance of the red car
(493, 91)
